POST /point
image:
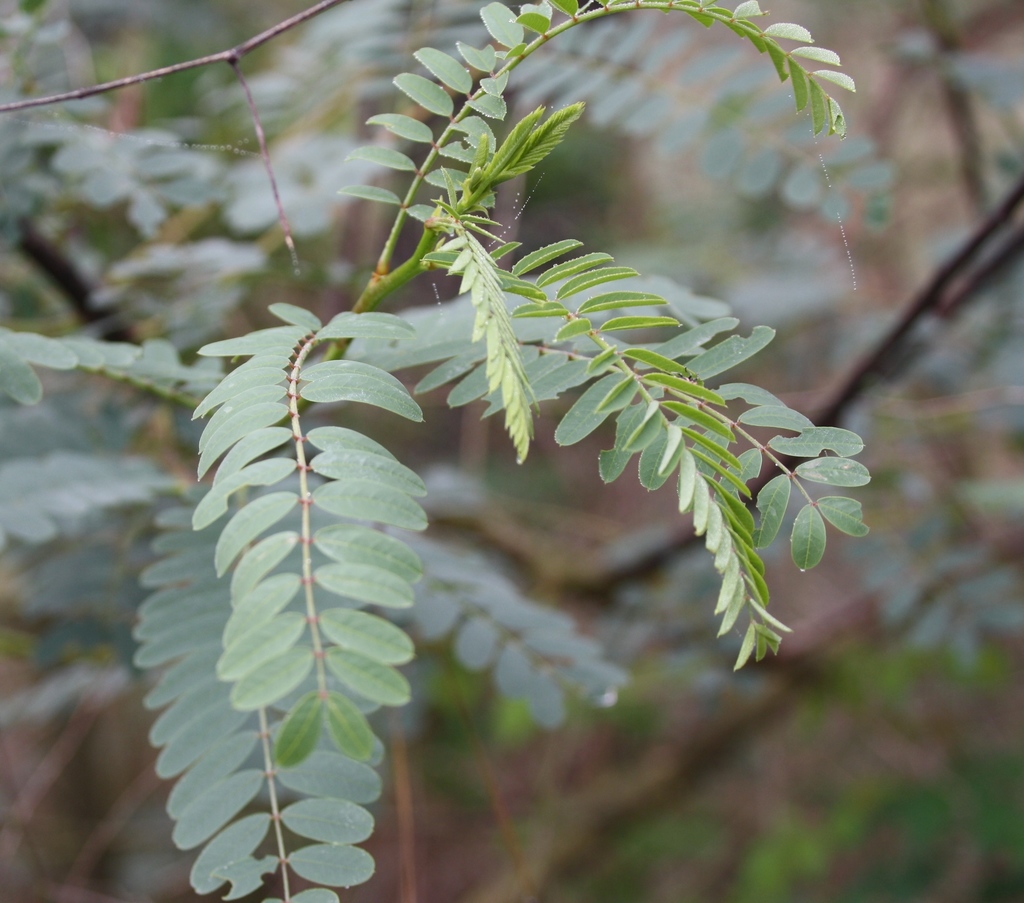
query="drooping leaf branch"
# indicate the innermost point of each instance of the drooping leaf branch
(993, 245)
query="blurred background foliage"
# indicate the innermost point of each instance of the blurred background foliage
(880, 757)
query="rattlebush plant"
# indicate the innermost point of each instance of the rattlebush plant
(281, 607)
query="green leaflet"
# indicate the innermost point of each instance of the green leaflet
(404, 127)
(348, 727)
(279, 341)
(370, 325)
(692, 414)
(372, 502)
(238, 381)
(368, 635)
(808, 540)
(446, 69)
(360, 465)
(273, 680)
(296, 316)
(334, 381)
(727, 354)
(844, 514)
(619, 323)
(252, 446)
(332, 864)
(331, 438)
(650, 471)
(329, 774)
(583, 281)
(571, 267)
(331, 821)
(383, 156)
(772, 502)
(365, 583)
(349, 543)
(658, 361)
(237, 403)
(299, 732)
(232, 845)
(834, 472)
(258, 561)
(314, 895)
(215, 503)
(261, 604)
(246, 875)
(536, 17)
(612, 463)
(776, 416)
(378, 683)
(543, 309)
(489, 105)
(619, 395)
(372, 193)
(214, 809)
(249, 523)
(812, 442)
(789, 31)
(429, 95)
(572, 329)
(238, 427)
(500, 22)
(254, 648)
(584, 416)
(798, 78)
(545, 255)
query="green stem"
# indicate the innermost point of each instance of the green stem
(607, 9)
(275, 807)
(379, 287)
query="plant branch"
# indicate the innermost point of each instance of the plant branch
(74, 285)
(929, 299)
(231, 55)
(175, 396)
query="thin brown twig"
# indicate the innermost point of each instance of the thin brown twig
(104, 833)
(45, 775)
(404, 812)
(265, 155)
(521, 875)
(80, 895)
(230, 55)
